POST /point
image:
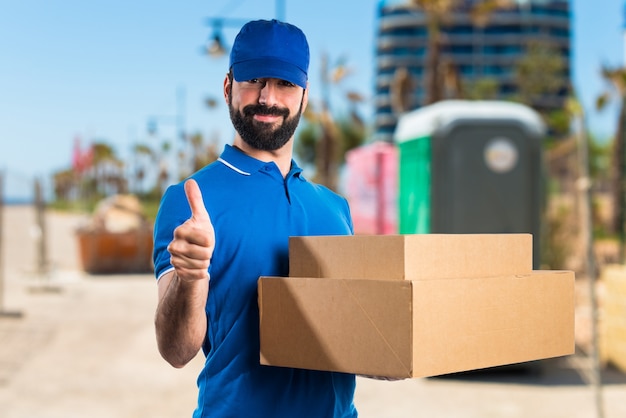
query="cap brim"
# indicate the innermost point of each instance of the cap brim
(269, 68)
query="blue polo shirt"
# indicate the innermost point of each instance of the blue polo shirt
(254, 210)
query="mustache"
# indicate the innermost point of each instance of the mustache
(259, 109)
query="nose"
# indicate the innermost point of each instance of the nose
(267, 96)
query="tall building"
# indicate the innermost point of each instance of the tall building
(473, 53)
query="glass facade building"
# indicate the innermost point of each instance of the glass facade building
(471, 52)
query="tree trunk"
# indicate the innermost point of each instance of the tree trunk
(619, 171)
(434, 86)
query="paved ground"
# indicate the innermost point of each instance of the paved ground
(84, 347)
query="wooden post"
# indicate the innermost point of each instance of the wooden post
(43, 265)
(3, 312)
(40, 208)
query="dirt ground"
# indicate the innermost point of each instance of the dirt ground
(76, 345)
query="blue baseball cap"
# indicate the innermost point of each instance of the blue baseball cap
(270, 49)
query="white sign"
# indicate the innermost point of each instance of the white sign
(501, 155)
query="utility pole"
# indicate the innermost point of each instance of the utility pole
(586, 226)
(42, 248)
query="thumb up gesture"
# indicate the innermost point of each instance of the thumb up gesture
(192, 247)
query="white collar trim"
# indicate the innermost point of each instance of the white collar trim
(232, 167)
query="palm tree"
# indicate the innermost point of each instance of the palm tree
(616, 78)
(539, 74)
(436, 12)
(108, 174)
(64, 184)
(324, 140)
(144, 158)
(203, 153)
(439, 74)
(163, 178)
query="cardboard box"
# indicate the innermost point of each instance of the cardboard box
(402, 329)
(410, 257)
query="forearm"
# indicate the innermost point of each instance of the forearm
(180, 319)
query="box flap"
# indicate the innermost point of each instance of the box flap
(432, 256)
(410, 257)
(375, 315)
(347, 257)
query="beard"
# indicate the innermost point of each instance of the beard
(259, 135)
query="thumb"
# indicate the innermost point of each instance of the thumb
(196, 203)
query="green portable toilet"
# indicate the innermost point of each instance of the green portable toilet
(471, 167)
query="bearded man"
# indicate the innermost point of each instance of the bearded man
(230, 223)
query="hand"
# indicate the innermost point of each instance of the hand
(192, 247)
(390, 379)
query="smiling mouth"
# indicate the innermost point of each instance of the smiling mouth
(266, 118)
(264, 113)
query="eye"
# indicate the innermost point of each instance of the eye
(286, 83)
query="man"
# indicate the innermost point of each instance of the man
(217, 232)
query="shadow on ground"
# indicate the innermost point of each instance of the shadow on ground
(564, 371)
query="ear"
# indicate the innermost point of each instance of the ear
(227, 88)
(305, 97)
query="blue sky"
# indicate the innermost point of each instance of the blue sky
(99, 70)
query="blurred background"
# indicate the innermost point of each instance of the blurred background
(430, 116)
